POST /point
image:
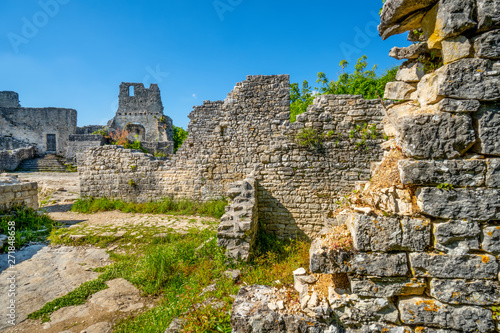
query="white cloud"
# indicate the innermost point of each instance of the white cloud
(194, 95)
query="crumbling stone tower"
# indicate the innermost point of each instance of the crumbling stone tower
(9, 99)
(140, 111)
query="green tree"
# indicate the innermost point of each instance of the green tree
(180, 134)
(300, 99)
(362, 81)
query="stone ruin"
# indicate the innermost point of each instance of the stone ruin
(431, 264)
(14, 193)
(297, 186)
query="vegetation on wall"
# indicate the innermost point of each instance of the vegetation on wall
(362, 81)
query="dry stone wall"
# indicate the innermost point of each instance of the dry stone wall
(11, 159)
(13, 193)
(297, 185)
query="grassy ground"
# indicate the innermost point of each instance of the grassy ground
(169, 206)
(28, 225)
(175, 268)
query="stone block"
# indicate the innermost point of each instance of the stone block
(351, 310)
(488, 15)
(487, 45)
(460, 233)
(430, 172)
(463, 79)
(455, 48)
(380, 328)
(468, 266)
(493, 173)
(429, 312)
(380, 264)
(387, 287)
(383, 234)
(487, 124)
(398, 16)
(325, 260)
(458, 105)
(491, 239)
(410, 52)
(474, 204)
(448, 19)
(411, 73)
(469, 292)
(436, 136)
(399, 90)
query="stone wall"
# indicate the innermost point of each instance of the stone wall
(33, 124)
(11, 159)
(298, 185)
(78, 143)
(14, 193)
(88, 130)
(428, 262)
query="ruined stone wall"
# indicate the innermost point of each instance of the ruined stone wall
(298, 185)
(78, 143)
(14, 193)
(432, 266)
(10, 159)
(142, 106)
(88, 130)
(9, 99)
(33, 125)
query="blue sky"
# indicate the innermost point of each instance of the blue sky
(75, 53)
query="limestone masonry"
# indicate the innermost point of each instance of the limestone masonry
(13, 193)
(298, 186)
(425, 229)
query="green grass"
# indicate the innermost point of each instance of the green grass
(175, 270)
(28, 224)
(170, 206)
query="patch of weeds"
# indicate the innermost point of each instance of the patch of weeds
(310, 137)
(76, 297)
(445, 186)
(169, 206)
(28, 226)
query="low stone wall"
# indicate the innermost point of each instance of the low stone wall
(10, 159)
(14, 193)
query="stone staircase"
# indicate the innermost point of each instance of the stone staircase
(47, 163)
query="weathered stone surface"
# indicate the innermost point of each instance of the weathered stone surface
(237, 231)
(493, 173)
(428, 312)
(468, 266)
(323, 259)
(387, 287)
(383, 234)
(410, 73)
(455, 172)
(441, 135)
(491, 239)
(487, 45)
(455, 48)
(469, 78)
(448, 18)
(453, 234)
(458, 105)
(380, 264)
(475, 292)
(475, 204)
(351, 310)
(396, 16)
(487, 123)
(251, 314)
(410, 52)
(420, 329)
(488, 14)
(380, 328)
(399, 90)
